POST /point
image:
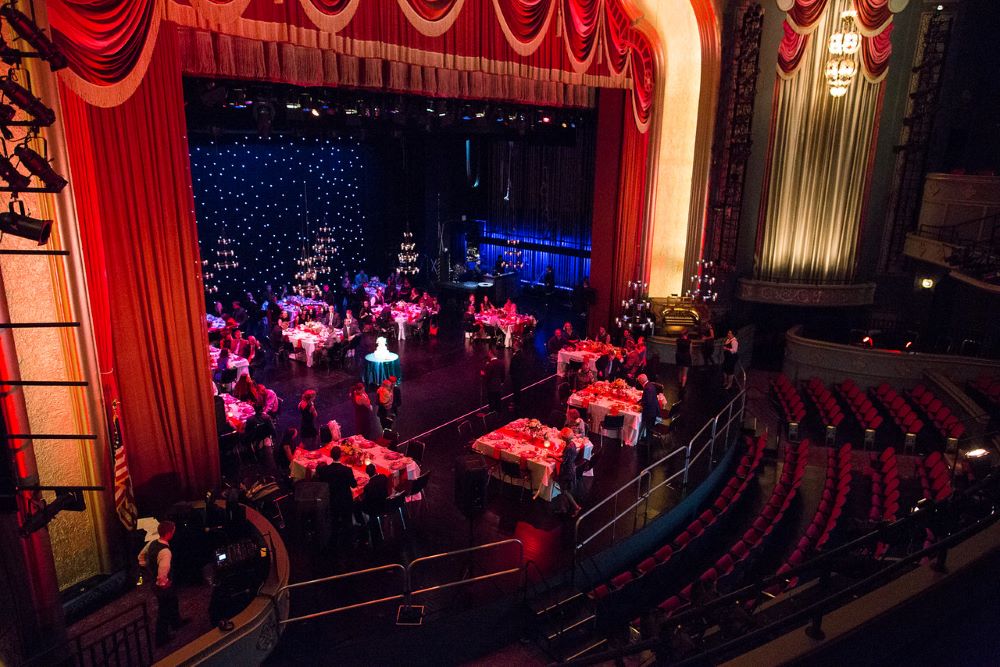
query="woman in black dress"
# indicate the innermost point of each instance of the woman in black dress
(683, 358)
(567, 471)
(730, 353)
(285, 451)
(307, 411)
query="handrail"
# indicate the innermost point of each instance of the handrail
(950, 233)
(406, 592)
(731, 414)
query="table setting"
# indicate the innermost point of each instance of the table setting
(585, 351)
(241, 364)
(611, 398)
(309, 337)
(293, 305)
(356, 453)
(214, 323)
(536, 446)
(508, 323)
(403, 313)
(237, 411)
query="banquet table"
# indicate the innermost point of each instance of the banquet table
(604, 398)
(241, 365)
(237, 411)
(508, 323)
(356, 451)
(311, 337)
(293, 304)
(214, 323)
(536, 447)
(586, 351)
(404, 314)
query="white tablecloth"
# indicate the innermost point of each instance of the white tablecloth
(598, 408)
(309, 342)
(237, 411)
(540, 461)
(505, 322)
(241, 365)
(397, 467)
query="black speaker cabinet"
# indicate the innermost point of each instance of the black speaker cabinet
(471, 479)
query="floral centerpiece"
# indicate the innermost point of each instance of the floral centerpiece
(315, 328)
(593, 347)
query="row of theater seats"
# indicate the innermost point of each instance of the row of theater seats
(824, 522)
(735, 560)
(789, 402)
(899, 409)
(861, 406)
(939, 414)
(988, 386)
(935, 479)
(829, 410)
(885, 492)
(735, 489)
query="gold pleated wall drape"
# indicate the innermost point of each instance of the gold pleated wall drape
(819, 165)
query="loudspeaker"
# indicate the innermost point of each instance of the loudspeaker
(471, 479)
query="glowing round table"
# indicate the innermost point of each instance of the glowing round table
(381, 365)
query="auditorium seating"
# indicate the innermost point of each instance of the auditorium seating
(905, 418)
(757, 535)
(987, 386)
(859, 403)
(885, 492)
(788, 400)
(828, 513)
(830, 413)
(732, 492)
(939, 414)
(935, 477)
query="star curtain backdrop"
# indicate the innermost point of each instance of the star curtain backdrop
(254, 191)
(821, 147)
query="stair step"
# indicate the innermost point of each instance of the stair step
(557, 599)
(560, 627)
(583, 647)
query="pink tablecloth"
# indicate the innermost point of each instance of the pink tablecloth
(356, 453)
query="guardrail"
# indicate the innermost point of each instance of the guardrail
(718, 429)
(403, 590)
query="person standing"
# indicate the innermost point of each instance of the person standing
(384, 396)
(650, 405)
(157, 557)
(567, 471)
(730, 354)
(341, 481)
(683, 358)
(397, 396)
(308, 414)
(708, 345)
(493, 378)
(364, 418)
(518, 376)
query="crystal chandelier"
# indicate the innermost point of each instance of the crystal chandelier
(843, 47)
(225, 254)
(323, 249)
(207, 276)
(408, 255)
(513, 255)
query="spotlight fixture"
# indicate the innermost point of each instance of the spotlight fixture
(23, 98)
(8, 54)
(18, 182)
(927, 283)
(34, 36)
(40, 167)
(16, 223)
(7, 114)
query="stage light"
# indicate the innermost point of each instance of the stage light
(34, 36)
(7, 114)
(7, 54)
(18, 182)
(40, 167)
(927, 283)
(867, 340)
(16, 223)
(23, 98)
(314, 112)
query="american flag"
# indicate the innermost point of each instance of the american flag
(124, 500)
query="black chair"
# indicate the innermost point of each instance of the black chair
(227, 379)
(573, 369)
(389, 439)
(415, 450)
(512, 470)
(612, 424)
(418, 486)
(394, 503)
(465, 431)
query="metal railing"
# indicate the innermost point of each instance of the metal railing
(978, 230)
(112, 642)
(640, 488)
(402, 589)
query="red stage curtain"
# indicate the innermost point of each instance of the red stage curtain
(130, 172)
(872, 15)
(103, 39)
(805, 13)
(791, 49)
(330, 6)
(875, 52)
(525, 19)
(580, 27)
(616, 25)
(610, 118)
(431, 10)
(630, 260)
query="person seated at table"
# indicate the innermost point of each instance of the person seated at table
(470, 303)
(285, 451)
(602, 336)
(427, 301)
(258, 432)
(585, 377)
(375, 491)
(360, 278)
(243, 390)
(221, 365)
(351, 326)
(472, 327)
(385, 396)
(252, 352)
(269, 400)
(569, 334)
(219, 311)
(510, 307)
(284, 320)
(486, 306)
(575, 423)
(239, 314)
(556, 343)
(332, 318)
(365, 317)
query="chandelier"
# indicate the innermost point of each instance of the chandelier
(513, 255)
(323, 248)
(408, 255)
(226, 255)
(843, 47)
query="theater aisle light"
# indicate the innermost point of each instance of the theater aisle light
(843, 46)
(17, 223)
